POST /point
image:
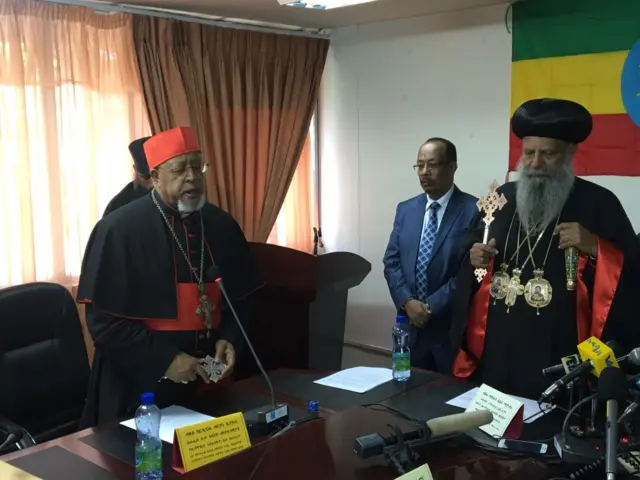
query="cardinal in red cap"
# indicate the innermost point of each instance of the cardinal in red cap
(149, 285)
(176, 166)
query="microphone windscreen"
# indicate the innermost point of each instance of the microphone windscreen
(598, 353)
(459, 422)
(634, 356)
(214, 273)
(612, 384)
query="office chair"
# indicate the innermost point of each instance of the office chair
(44, 369)
(13, 437)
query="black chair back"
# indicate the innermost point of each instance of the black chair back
(44, 369)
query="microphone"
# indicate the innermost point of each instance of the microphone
(612, 387)
(568, 363)
(582, 369)
(634, 356)
(595, 356)
(262, 420)
(631, 409)
(598, 353)
(374, 444)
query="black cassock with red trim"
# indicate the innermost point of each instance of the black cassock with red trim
(141, 300)
(508, 348)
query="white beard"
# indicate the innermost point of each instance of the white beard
(187, 208)
(541, 198)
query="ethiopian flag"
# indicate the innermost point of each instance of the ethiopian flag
(586, 51)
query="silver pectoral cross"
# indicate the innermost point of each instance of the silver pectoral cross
(205, 309)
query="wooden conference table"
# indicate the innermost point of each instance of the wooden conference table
(316, 449)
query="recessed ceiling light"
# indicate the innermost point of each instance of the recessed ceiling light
(323, 4)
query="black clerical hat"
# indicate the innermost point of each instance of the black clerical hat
(552, 118)
(139, 158)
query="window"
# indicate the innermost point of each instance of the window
(66, 118)
(299, 212)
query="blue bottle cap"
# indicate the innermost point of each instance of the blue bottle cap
(638, 383)
(401, 319)
(313, 406)
(147, 398)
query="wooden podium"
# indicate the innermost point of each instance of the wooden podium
(299, 315)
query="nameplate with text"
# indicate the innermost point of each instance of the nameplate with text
(202, 443)
(507, 412)
(421, 473)
(9, 472)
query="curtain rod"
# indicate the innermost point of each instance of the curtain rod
(241, 24)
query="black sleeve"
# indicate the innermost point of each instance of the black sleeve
(139, 354)
(474, 233)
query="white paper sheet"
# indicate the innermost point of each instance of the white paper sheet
(531, 410)
(357, 379)
(173, 417)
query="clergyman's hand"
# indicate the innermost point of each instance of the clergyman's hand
(480, 254)
(417, 312)
(225, 353)
(575, 235)
(185, 368)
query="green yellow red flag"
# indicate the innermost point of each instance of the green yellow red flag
(586, 51)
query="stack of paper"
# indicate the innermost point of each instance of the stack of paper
(173, 417)
(357, 379)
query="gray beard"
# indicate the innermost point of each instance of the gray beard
(187, 209)
(541, 198)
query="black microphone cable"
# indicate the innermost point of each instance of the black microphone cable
(565, 424)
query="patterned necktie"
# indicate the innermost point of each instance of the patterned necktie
(426, 248)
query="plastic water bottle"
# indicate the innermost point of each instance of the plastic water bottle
(400, 354)
(148, 445)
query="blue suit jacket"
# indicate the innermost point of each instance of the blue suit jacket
(448, 253)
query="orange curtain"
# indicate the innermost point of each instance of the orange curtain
(249, 95)
(70, 102)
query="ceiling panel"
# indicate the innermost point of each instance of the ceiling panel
(270, 11)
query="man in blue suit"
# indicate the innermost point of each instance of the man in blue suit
(425, 252)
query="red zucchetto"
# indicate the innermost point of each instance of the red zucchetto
(167, 145)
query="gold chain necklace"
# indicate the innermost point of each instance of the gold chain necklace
(501, 279)
(514, 288)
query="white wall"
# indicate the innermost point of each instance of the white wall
(387, 87)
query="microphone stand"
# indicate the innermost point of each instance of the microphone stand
(583, 411)
(402, 455)
(592, 430)
(273, 417)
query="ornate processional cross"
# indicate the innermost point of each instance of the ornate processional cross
(489, 204)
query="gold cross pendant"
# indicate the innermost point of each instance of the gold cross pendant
(514, 289)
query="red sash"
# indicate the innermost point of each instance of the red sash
(188, 299)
